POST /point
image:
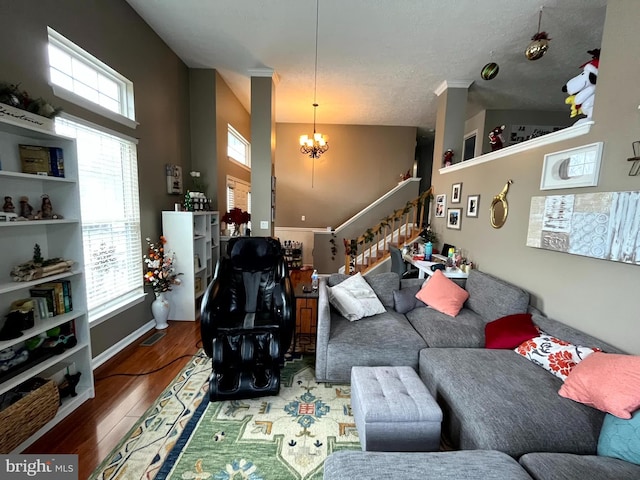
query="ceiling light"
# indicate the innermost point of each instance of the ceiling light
(316, 144)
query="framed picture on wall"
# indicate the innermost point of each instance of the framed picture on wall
(454, 218)
(174, 179)
(473, 202)
(456, 193)
(441, 205)
(572, 168)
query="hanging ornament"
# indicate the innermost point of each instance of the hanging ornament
(489, 71)
(540, 43)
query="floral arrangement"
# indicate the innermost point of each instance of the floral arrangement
(236, 217)
(160, 271)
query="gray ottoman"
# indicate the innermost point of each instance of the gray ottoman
(459, 465)
(393, 410)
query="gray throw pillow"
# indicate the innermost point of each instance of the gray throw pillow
(404, 300)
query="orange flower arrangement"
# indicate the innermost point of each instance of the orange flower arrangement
(160, 271)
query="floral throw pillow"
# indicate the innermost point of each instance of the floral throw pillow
(553, 354)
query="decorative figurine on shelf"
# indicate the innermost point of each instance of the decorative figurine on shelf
(8, 206)
(26, 210)
(8, 210)
(495, 138)
(46, 211)
(447, 158)
(582, 88)
(68, 386)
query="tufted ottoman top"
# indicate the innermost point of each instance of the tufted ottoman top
(393, 394)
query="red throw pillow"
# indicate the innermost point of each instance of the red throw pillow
(509, 331)
(442, 294)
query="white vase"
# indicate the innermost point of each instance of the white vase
(160, 310)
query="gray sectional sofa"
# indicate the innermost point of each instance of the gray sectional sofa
(396, 339)
(492, 400)
(475, 465)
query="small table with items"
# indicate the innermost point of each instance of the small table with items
(424, 268)
(306, 318)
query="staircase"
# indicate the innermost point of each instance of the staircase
(399, 228)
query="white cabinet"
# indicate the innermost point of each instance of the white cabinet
(190, 235)
(215, 241)
(56, 238)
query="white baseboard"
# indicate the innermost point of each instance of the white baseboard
(113, 350)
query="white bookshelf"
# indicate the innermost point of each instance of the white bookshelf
(56, 238)
(215, 242)
(190, 236)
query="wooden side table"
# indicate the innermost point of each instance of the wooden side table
(306, 318)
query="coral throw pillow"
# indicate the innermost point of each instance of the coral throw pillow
(509, 331)
(555, 355)
(607, 381)
(442, 294)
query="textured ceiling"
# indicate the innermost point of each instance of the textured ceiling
(380, 61)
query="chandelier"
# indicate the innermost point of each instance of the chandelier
(314, 145)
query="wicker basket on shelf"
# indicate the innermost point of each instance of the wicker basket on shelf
(25, 417)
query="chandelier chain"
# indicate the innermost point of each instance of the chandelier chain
(317, 144)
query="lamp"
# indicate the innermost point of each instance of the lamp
(316, 144)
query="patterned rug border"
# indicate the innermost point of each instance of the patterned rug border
(199, 359)
(181, 443)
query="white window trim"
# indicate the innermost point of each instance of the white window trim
(128, 99)
(97, 126)
(102, 315)
(76, 99)
(240, 164)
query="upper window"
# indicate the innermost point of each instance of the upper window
(238, 148)
(88, 82)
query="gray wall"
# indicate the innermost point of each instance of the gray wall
(114, 33)
(362, 164)
(229, 110)
(597, 296)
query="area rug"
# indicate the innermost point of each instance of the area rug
(140, 454)
(280, 437)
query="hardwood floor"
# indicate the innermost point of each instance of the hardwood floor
(95, 428)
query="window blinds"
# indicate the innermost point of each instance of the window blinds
(108, 179)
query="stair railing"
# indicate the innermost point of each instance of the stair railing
(402, 226)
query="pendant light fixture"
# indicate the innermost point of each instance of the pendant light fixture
(316, 144)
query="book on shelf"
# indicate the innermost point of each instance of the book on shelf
(48, 293)
(63, 295)
(41, 311)
(39, 160)
(58, 295)
(68, 303)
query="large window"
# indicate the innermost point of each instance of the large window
(238, 148)
(88, 82)
(108, 177)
